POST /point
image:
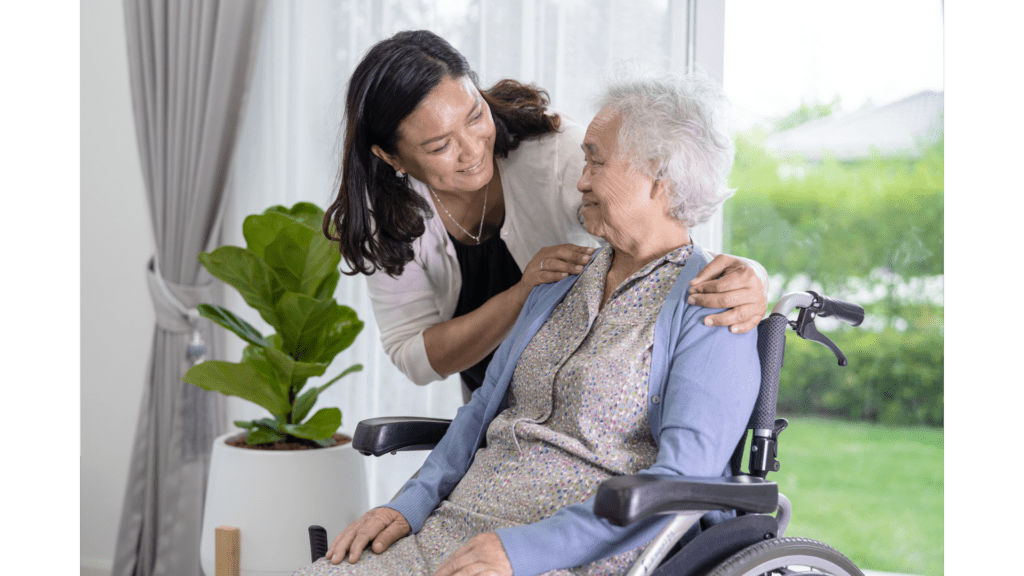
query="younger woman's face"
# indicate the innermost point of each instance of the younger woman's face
(448, 141)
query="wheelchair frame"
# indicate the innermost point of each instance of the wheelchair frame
(752, 543)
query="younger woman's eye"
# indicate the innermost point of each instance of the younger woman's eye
(441, 149)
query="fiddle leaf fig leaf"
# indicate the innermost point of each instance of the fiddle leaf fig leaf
(306, 213)
(289, 373)
(260, 230)
(303, 321)
(321, 426)
(343, 327)
(276, 373)
(301, 257)
(306, 370)
(273, 360)
(262, 431)
(227, 319)
(327, 286)
(304, 403)
(253, 279)
(242, 380)
(349, 370)
(264, 436)
(276, 341)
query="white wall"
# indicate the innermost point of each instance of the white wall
(117, 315)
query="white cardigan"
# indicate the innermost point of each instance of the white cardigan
(541, 205)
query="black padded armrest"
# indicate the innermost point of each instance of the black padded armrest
(624, 500)
(379, 436)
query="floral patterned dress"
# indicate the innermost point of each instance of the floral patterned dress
(577, 415)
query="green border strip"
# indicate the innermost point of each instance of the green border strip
(39, 43)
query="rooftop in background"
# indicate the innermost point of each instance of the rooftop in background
(897, 129)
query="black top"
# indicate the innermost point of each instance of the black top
(487, 269)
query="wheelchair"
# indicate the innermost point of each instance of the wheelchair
(750, 544)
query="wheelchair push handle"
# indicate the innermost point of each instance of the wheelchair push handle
(771, 347)
(848, 312)
(814, 305)
(819, 305)
(771, 344)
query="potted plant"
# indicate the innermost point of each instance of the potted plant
(291, 469)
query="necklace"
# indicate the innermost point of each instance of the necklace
(479, 232)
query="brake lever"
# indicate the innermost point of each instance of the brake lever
(804, 327)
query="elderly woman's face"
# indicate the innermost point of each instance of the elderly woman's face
(618, 203)
(448, 141)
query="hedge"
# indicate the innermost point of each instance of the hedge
(892, 377)
(833, 221)
(839, 219)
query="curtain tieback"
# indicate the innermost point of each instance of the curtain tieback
(175, 307)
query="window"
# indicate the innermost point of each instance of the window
(839, 171)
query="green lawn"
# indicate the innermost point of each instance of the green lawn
(872, 492)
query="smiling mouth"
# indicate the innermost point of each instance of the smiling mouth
(589, 203)
(474, 169)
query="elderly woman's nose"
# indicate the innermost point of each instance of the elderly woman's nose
(583, 184)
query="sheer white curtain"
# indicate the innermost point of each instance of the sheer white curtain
(291, 139)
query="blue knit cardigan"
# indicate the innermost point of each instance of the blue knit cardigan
(702, 386)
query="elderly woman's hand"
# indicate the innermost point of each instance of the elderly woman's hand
(728, 282)
(553, 263)
(384, 526)
(483, 555)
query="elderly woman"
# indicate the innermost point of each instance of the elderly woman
(604, 373)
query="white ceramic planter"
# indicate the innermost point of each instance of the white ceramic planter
(273, 497)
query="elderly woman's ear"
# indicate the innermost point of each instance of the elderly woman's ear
(661, 192)
(726, 282)
(714, 288)
(660, 188)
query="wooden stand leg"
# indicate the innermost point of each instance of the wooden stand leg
(227, 551)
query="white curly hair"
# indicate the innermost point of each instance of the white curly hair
(675, 127)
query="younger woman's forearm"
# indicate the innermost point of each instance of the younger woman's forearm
(459, 343)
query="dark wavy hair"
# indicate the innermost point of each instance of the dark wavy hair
(376, 215)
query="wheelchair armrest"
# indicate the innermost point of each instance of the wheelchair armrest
(624, 500)
(379, 436)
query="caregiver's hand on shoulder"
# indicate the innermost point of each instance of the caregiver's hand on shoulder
(382, 526)
(553, 263)
(483, 555)
(728, 282)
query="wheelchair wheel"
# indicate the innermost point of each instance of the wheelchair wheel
(785, 556)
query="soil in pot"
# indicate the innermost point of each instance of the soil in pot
(238, 441)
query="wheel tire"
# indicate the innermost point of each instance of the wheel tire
(778, 553)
